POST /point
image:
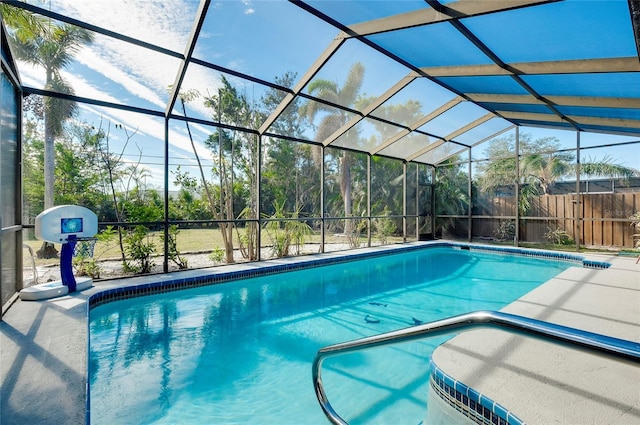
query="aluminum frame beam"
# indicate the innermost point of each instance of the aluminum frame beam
(426, 16)
(201, 15)
(582, 66)
(419, 123)
(402, 83)
(304, 80)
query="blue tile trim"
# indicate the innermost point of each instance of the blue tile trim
(559, 256)
(178, 283)
(467, 401)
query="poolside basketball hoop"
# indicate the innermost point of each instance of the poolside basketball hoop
(84, 247)
(74, 227)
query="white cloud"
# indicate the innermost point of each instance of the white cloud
(115, 73)
(120, 72)
(149, 129)
(166, 23)
(143, 73)
(248, 7)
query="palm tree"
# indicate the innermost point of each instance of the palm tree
(452, 197)
(542, 164)
(26, 22)
(544, 169)
(607, 168)
(334, 119)
(51, 48)
(547, 169)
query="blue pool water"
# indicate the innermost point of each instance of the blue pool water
(241, 352)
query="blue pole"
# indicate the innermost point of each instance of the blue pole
(66, 266)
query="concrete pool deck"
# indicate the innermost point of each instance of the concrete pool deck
(544, 383)
(43, 357)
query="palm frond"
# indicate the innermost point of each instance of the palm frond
(352, 85)
(322, 86)
(607, 168)
(501, 173)
(311, 108)
(328, 125)
(23, 24)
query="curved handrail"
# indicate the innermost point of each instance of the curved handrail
(619, 349)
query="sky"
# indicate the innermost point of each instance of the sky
(263, 39)
(119, 72)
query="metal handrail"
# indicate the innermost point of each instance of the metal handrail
(619, 349)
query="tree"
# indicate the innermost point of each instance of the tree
(188, 204)
(387, 174)
(606, 167)
(386, 185)
(24, 23)
(119, 177)
(32, 165)
(451, 192)
(333, 119)
(187, 184)
(52, 48)
(289, 172)
(77, 173)
(542, 164)
(235, 154)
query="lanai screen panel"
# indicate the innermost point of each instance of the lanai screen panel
(409, 145)
(567, 65)
(528, 63)
(482, 131)
(139, 20)
(414, 101)
(259, 39)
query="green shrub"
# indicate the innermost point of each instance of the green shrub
(356, 234)
(558, 236)
(138, 248)
(217, 255)
(284, 233)
(506, 230)
(172, 247)
(384, 227)
(85, 257)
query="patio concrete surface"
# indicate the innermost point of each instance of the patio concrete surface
(43, 352)
(544, 383)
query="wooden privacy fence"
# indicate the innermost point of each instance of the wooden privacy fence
(604, 217)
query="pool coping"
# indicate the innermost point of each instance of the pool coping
(44, 343)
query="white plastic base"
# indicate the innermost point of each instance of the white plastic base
(53, 289)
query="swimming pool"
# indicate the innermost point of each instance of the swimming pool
(242, 351)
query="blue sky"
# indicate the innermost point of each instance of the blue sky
(261, 38)
(119, 72)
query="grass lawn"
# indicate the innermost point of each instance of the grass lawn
(188, 241)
